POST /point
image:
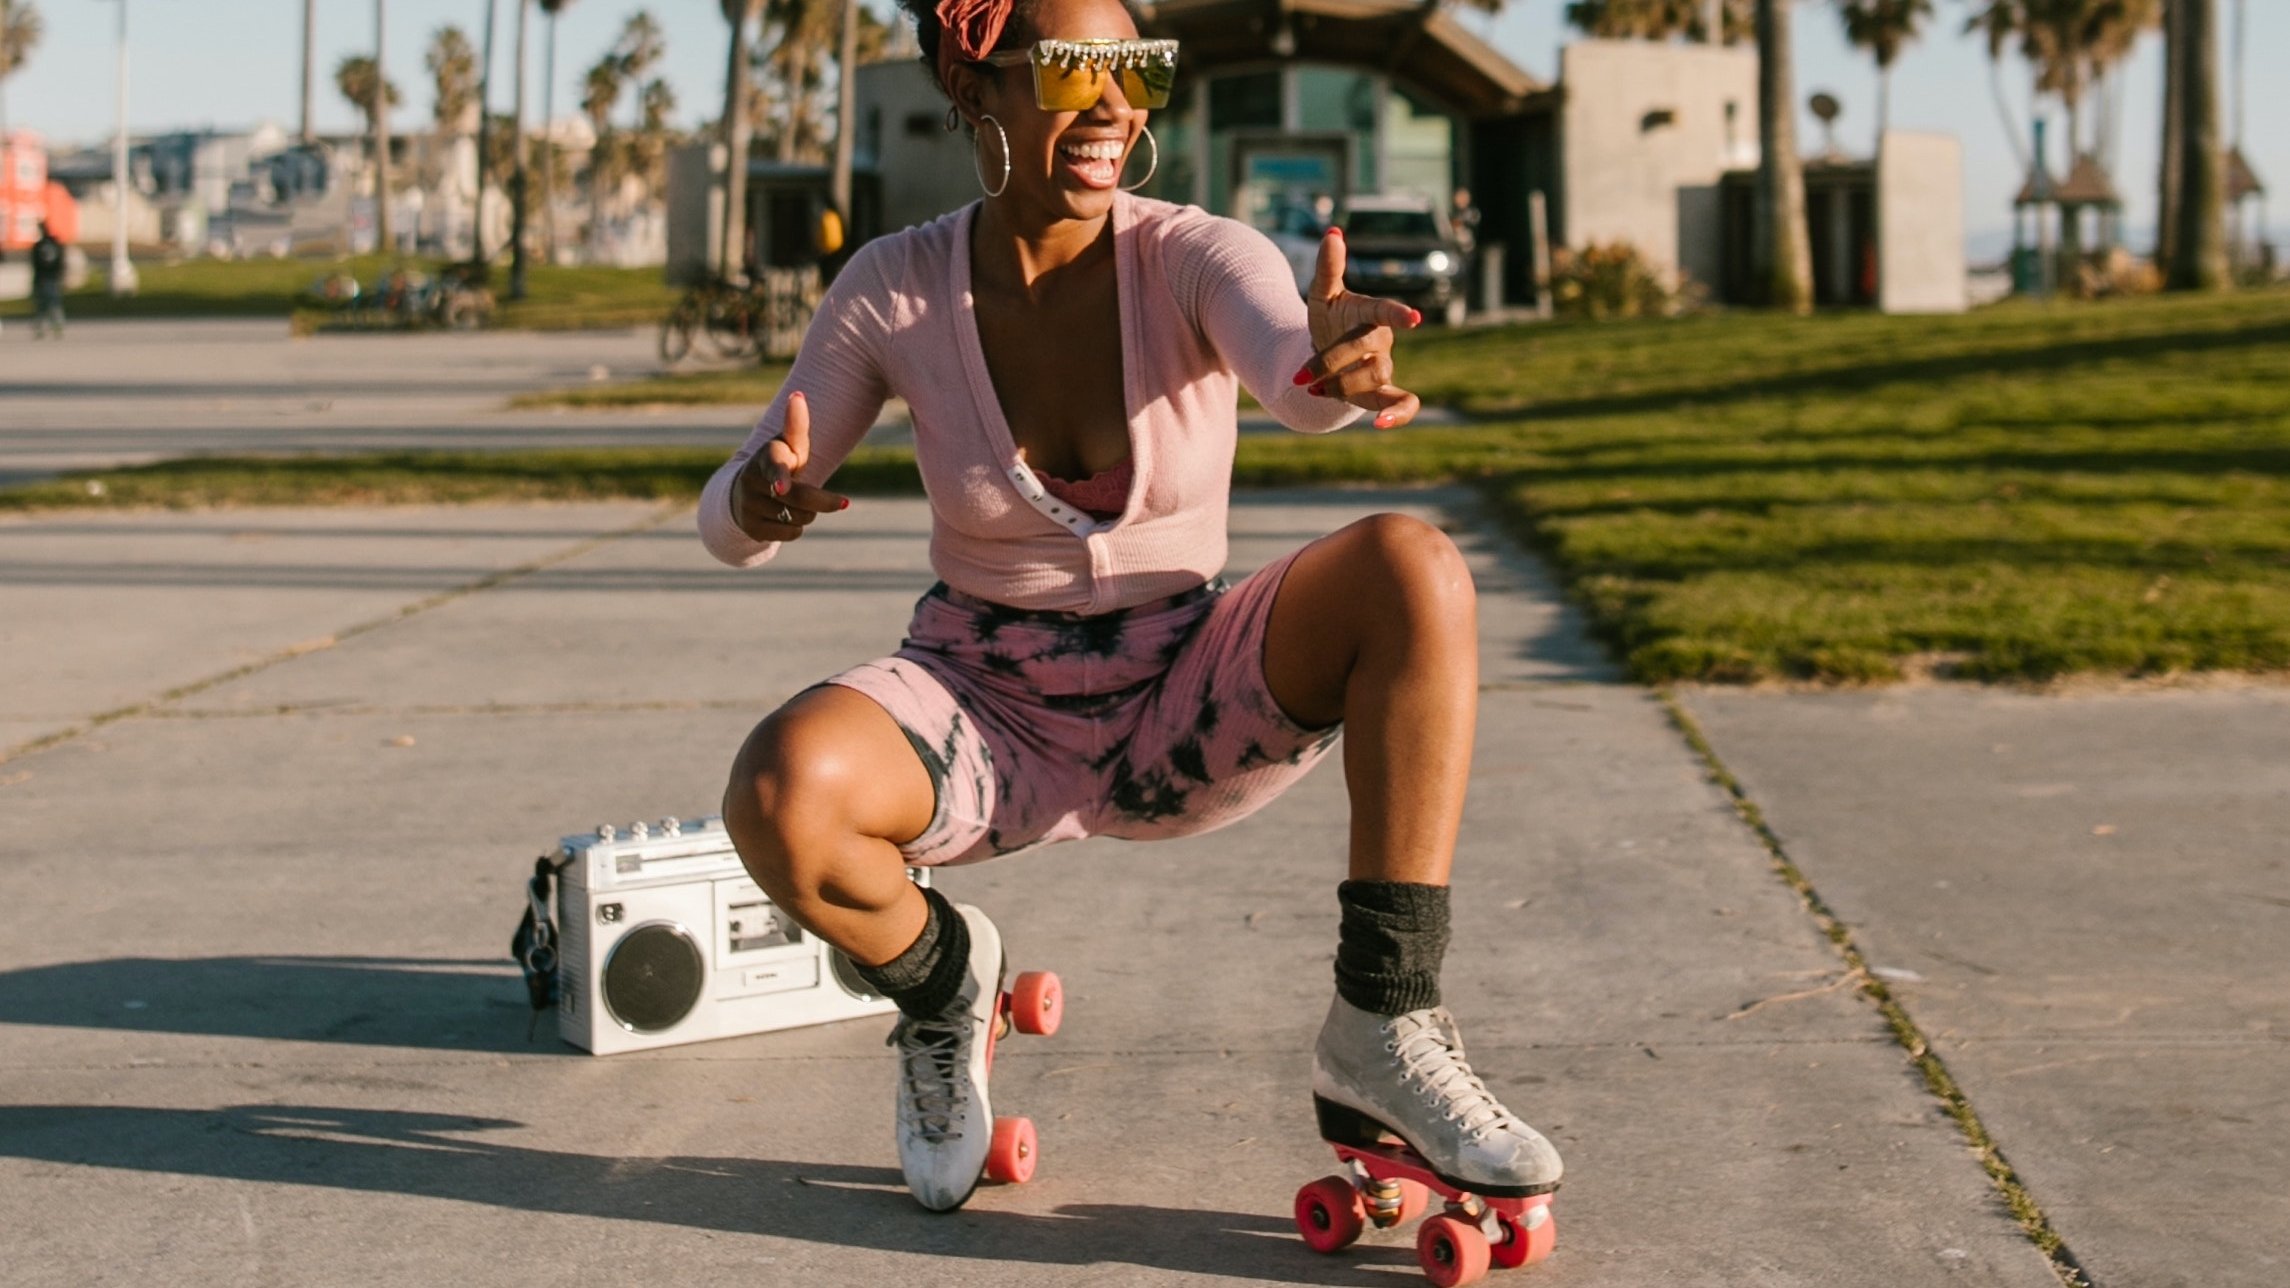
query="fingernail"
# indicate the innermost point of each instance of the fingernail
(1317, 390)
(1414, 318)
(797, 394)
(845, 505)
(1384, 421)
(778, 488)
(1334, 231)
(1303, 375)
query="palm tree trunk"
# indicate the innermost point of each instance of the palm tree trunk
(549, 143)
(484, 129)
(846, 108)
(732, 260)
(2199, 263)
(2171, 176)
(1784, 250)
(386, 243)
(1884, 101)
(519, 188)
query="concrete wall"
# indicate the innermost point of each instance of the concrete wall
(1920, 224)
(926, 171)
(1644, 135)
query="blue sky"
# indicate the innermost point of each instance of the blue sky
(193, 65)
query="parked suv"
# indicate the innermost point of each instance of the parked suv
(1401, 247)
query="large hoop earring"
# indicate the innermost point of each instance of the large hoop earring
(974, 163)
(1155, 164)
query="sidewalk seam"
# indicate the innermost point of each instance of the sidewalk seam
(292, 651)
(1937, 1079)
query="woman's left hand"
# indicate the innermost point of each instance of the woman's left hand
(1353, 334)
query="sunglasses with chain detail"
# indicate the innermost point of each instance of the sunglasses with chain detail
(1071, 75)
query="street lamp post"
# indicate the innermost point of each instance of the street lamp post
(122, 271)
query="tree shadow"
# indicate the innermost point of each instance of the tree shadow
(452, 1157)
(365, 1001)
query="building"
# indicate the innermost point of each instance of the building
(1279, 107)
(29, 197)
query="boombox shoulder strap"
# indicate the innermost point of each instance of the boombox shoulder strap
(535, 943)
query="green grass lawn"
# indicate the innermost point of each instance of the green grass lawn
(557, 296)
(2019, 493)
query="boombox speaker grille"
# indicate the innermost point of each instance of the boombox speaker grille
(653, 977)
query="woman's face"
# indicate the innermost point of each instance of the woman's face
(1063, 165)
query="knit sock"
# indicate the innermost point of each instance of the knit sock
(924, 979)
(1388, 950)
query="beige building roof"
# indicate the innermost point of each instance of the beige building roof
(1417, 43)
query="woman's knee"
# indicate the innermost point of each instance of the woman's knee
(1416, 563)
(811, 782)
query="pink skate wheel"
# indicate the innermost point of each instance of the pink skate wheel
(1452, 1252)
(1329, 1215)
(1414, 1197)
(1527, 1238)
(1037, 1003)
(1011, 1158)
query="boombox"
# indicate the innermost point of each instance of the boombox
(661, 938)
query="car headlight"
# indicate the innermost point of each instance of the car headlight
(1438, 262)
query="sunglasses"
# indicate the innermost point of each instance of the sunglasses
(1070, 75)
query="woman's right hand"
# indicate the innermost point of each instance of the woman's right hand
(768, 502)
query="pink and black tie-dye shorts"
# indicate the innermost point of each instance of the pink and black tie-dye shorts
(1145, 723)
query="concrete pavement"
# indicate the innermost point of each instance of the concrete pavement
(2090, 898)
(257, 1025)
(258, 1020)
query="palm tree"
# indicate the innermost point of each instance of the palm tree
(19, 34)
(1884, 28)
(2198, 260)
(600, 93)
(640, 48)
(1652, 19)
(1996, 24)
(740, 15)
(548, 118)
(2072, 44)
(359, 79)
(452, 64)
(519, 188)
(1782, 244)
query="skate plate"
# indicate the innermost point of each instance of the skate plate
(1388, 1184)
(1033, 1004)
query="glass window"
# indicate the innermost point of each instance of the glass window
(1250, 101)
(1174, 130)
(1419, 147)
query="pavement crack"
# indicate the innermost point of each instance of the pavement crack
(479, 585)
(1905, 1030)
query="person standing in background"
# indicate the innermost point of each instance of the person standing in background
(47, 284)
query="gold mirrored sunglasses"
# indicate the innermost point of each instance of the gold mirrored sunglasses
(1071, 75)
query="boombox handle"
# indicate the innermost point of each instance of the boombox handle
(535, 943)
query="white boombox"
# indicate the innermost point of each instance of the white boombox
(663, 939)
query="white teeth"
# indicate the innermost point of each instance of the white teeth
(1105, 151)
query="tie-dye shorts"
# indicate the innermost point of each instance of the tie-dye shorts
(1145, 723)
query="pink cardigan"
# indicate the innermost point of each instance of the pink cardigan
(1202, 299)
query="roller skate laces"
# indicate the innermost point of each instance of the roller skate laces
(932, 1059)
(1430, 1055)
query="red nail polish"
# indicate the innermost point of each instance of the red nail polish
(845, 505)
(1303, 375)
(1317, 391)
(1414, 318)
(778, 488)
(1384, 421)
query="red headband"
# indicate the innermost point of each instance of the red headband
(969, 30)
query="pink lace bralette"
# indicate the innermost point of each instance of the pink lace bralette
(1103, 495)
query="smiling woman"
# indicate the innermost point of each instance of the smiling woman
(1083, 669)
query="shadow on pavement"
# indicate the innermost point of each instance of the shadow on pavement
(367, 1001)
(442, 1156)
